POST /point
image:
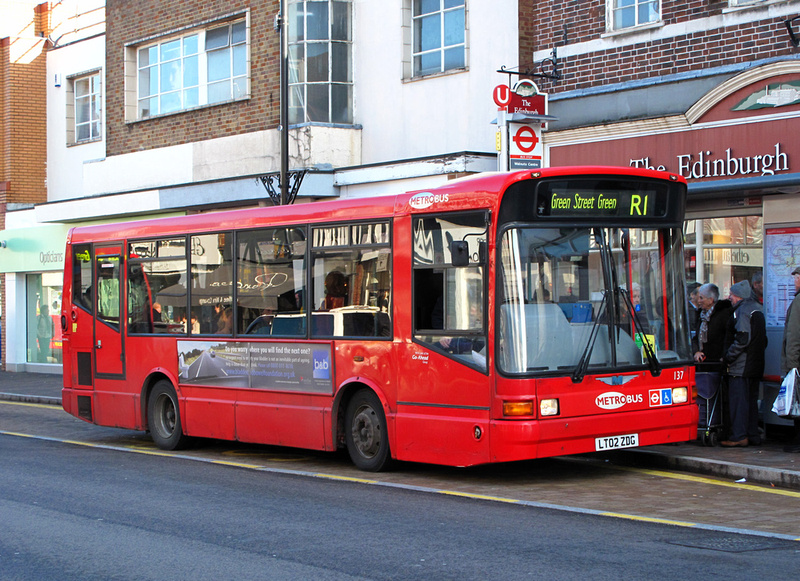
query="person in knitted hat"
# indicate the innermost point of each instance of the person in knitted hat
(745, 343)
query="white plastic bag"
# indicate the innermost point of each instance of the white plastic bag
(787, 404)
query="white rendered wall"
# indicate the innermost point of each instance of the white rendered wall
(66, 163)
(435, 115)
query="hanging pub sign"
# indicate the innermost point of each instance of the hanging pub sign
(521, 117)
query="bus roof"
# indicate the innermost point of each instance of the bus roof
(470, 192)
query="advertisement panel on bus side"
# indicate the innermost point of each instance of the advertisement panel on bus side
(306, 367)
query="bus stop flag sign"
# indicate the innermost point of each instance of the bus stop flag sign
(525, 146)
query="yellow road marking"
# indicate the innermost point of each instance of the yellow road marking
(663, 521)
(712, 481)
(479, 496)
(237, 464)
(47, 406)
(346, 478)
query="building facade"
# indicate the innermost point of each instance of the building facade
(164, 107)
(709, 90)
(23, 40)
(172, 107)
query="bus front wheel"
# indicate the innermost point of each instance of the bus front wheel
(366, 432)
(164, 418)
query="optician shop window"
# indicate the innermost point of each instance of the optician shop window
(43, 308)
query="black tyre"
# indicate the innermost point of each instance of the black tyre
(164, 418)
(366, 432)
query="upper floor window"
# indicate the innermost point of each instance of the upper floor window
(438, 36)
(88, 107)
(631, 13)
(201, 68)
(320, 61)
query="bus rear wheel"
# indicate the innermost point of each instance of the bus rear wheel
(366, 432)
(164, 418)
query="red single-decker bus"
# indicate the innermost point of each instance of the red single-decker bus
(500, 317)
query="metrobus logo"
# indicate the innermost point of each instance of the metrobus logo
(426, 200)
(612, 400)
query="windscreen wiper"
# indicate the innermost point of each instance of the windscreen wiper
(610, 283)
(652, 360)
(583, 364)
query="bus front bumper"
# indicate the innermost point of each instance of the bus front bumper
(524, 440)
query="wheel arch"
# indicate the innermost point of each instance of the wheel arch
(150, 381)
(344, 394)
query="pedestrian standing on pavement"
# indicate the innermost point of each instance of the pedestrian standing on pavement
(745, 343)
(790, 350)
(44, 333)
(694, 307)
(708, 342)
(757, 283)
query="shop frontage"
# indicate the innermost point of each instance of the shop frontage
(737, 148)
(32, 262)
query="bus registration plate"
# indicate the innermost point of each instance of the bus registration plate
(615, 442)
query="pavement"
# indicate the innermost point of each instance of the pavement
(765, 464)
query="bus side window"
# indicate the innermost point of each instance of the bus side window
(82, 277)
(352, 281)
(271, 266)
(448, 285)
(108, 276)
(212, 282)
(157, 286)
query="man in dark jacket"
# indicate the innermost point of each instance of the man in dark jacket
(745, 343)
(790, 350)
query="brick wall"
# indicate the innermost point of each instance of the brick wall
(129, 21)
(23, 130)
(542, 26)
(23, 109)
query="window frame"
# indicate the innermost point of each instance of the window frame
(322, 247)
(300, 69)
(613, 7)
(431, 337)
(72, 108)
(196, 91)
(416, 71)
(95, 99)
(134, 327)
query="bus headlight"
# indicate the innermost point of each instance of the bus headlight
(548, 407)
(680, 395)
(518, 408)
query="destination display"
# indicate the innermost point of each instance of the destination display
(305, 367)
(563, 199)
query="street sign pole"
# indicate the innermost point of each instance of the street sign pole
(284, 107)
(502, 127)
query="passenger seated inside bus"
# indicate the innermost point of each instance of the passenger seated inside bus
(335, 291)
(225, 321)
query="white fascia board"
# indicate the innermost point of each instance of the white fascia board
(455, 163)
(86, 209)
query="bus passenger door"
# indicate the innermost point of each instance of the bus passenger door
(108, 345)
